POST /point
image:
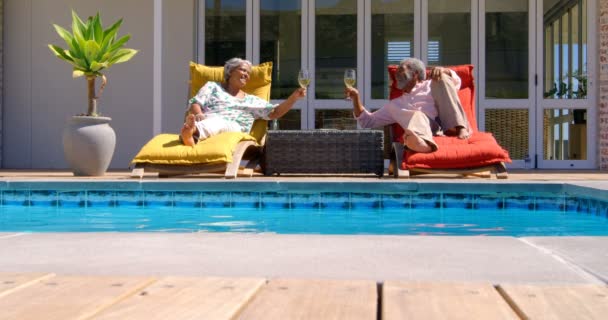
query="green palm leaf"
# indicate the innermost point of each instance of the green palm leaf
(122, 55)
(64, 34)
(109, 35)
(91, 50)
(112, 30)
(96, 66)
(97, 29)
(78, 27)
(119, 43)
(76, 49)
(60, 53)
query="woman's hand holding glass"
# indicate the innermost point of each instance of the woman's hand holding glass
(303, 78)
(304, 82)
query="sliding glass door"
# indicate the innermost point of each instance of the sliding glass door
(534, 85)
(506, 77)
(566, 134)
(280, 41)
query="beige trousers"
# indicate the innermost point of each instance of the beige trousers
(449, 109)
(419, 123)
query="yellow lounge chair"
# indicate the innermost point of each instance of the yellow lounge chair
(223, 153)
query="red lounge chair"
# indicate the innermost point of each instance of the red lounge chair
(478, 154)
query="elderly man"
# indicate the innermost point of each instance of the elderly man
(425, 108)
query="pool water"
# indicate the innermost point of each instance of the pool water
(503, 220)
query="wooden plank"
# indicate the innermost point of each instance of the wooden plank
(314, 299)
(68, 297)
(186, 298)
(558, 302)
(11, 282)
(421, 300)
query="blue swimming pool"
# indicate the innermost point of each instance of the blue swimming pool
(534, 210)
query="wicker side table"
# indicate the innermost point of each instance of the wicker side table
(324, 151)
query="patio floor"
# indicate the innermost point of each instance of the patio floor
(514, 175)
(38, 296)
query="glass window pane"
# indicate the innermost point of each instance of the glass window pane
(506, 49)
(514, 137)
(565, 50)
(289, 121)
(449, 39)
(335, 119)
(392, 40)
(280, 42)
(225, 24)
(565, 134)
(335, 45)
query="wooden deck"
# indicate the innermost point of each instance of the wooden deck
(49, 296)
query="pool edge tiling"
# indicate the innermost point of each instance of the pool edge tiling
(283, 194)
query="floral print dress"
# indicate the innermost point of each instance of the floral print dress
(216, 102)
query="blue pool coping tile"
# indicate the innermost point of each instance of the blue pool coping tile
(273, 200)
(278, 194)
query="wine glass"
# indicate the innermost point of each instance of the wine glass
(350, 78)
(303, 78)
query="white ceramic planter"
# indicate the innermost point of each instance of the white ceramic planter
(88, 144)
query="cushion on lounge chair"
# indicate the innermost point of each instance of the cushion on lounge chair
(258, 85)
(481, 149)
(167, 149)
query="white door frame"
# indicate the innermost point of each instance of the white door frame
(301, 104)
(325, 104)
(525, 104)
(419, 20)
(590, 103)
(253, 9)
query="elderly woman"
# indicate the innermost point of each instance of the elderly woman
(225, 107)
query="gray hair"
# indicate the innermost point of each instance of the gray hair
(232, 64)
(415, 65)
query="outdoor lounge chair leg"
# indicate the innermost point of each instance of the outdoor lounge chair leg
(481, 174)
(233, 168)
(245, 172)
(137, 173)
(501, 171)
(397, 157)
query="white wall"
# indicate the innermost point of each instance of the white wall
(40, 94)
(178, 51)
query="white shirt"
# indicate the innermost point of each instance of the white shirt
(418, 99)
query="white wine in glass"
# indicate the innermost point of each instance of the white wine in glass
(350, 78)
(303, 78)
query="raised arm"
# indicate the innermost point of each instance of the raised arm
(358, 107)
(284, 106)
(366, 119)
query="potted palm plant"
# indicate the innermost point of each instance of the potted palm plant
(88, 139)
